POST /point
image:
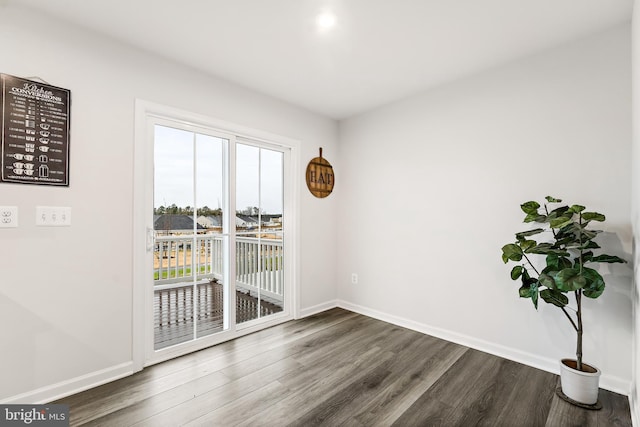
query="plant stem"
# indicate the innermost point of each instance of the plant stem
(529, 261)
(546, 211)
(579, 330)
(579, 303)
(580, 240)
(570, 319)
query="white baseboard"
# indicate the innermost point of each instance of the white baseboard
(75, 385)
(634, 411)
(310, 311)
(608, 382)
(633, 404)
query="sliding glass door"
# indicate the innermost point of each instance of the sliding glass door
(189, 296)
(259, 232)
(217, 255)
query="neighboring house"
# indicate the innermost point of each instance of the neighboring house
(243, 221)
(246, 221)
(211, 221)
(251, 221)
(175, 223)
(272, 220)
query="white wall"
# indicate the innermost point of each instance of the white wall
(431, 188)
(66, 293)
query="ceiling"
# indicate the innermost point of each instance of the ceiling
(379, 51)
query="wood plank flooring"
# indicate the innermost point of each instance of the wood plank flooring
(338, 368)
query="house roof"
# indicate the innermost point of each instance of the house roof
(215, 220)
(247, 218)
(174, 222)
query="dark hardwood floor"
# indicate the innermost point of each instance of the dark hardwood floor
(339, 368)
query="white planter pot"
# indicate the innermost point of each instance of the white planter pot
(579, 385)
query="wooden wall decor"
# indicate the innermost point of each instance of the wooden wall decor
(320, 177)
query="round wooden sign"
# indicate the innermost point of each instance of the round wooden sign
(320, 177)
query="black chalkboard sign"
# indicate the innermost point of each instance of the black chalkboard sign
(35, 132)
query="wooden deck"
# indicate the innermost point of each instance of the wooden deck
(176, 321)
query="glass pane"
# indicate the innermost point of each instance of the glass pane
(189, 293)
(211, 290)
(259, 252)
(271, 236)
(247, 188)
(271, 189)
(247, 215)
(173, 224)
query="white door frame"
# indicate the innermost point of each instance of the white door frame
(147, 114)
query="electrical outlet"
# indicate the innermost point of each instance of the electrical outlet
(8, 216)
(53, 216)
(354, 278)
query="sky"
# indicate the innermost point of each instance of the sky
(178, 153)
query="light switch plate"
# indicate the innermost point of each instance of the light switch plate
(53, 216)
(8, 216)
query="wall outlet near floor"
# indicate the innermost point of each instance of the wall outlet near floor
(8, 216)
(354, 278)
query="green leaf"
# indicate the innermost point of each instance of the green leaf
(529, 289)
(530, 207)
(560, 222)
(547, 280)
(568, 241)
(568, 279)
(595, 283)
(511, 252)
(576, 208)
(594, 292)
(558, 212)
(576, 282)
(527, 244)
(586, 256)
(593, 216)
(516, 272)
(545, 249)
(524, 291)
(535, 217)
(564, 263)
(523, 234)
(558, 262)
(554, 297)
(589, 234)
(570, 229)
(552, 260)
(591, 245)
(553, 200)
(607, 258)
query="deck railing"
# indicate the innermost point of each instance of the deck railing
(259, 262)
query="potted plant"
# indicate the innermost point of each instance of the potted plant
(568, 246)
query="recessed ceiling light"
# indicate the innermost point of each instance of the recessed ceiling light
(326, 20)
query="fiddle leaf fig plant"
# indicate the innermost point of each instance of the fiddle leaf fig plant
(568, 247)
